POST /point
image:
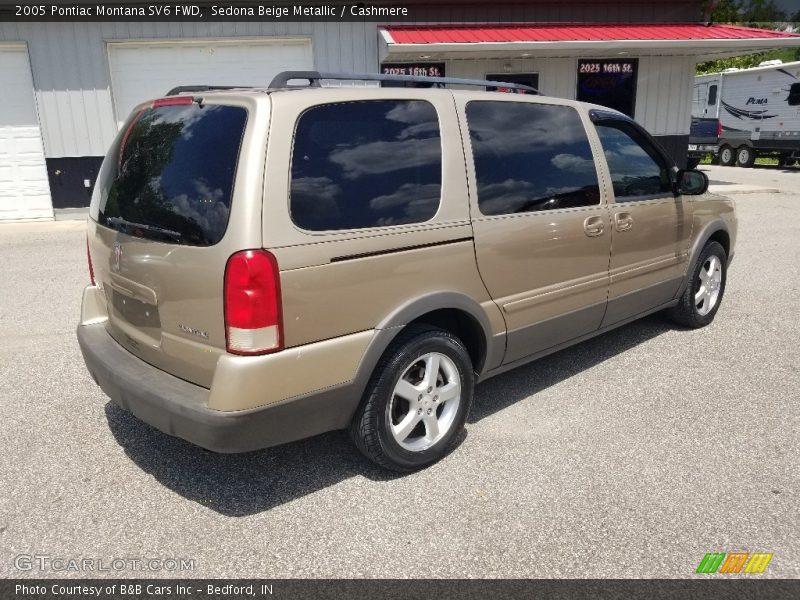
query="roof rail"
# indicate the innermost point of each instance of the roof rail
(281, 80)
(202, 88)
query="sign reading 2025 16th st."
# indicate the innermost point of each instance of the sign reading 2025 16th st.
(415, 69)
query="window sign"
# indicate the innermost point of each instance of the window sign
(608, 82)
(415, 69)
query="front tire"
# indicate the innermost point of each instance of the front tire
(416, 402)
(699, 303)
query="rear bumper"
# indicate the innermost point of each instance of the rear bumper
(179, 408)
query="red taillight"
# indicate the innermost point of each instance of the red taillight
(89, 259)
(719, 128)
(253, 316)
(172, 101)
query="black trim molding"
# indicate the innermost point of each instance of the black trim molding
(400, 249)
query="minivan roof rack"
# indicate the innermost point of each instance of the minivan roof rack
(203, 88)
(281, 80)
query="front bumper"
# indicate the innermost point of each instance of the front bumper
(179, 408)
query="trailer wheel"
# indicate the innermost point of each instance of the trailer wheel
(745, 157)
(727, 156)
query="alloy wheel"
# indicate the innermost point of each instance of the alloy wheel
(709, 284)
(424, 402)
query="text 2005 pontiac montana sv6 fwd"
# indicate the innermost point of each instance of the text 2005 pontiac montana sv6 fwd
(269, 264)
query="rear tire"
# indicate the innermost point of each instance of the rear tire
(416, 402)
(700, 301)
(745, 157)
(727, 157)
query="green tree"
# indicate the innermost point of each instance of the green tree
(762, 11)
(725, 11)
(753, 13)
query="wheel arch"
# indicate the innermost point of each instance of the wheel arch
(714, 231)
(451, 311)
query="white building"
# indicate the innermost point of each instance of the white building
(65, 87)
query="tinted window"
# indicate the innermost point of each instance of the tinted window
(712, 95)
(174, 175)
(794, 95)
(366, 164)
(530, 157)
(637, 169)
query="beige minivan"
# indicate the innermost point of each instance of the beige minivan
(270, 264)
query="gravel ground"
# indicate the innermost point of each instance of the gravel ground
(630, 455)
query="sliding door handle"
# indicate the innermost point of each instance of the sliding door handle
(594, 226)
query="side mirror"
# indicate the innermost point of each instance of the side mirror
(692, 182)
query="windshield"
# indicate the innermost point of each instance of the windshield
(173, 176)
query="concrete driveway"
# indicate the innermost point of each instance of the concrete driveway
(631, 455)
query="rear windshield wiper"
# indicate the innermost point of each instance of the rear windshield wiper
(126, 226)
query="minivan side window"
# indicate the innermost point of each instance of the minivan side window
(530, 157)
(369, 163)
(637, 168)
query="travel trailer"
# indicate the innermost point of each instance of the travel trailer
(758, 108)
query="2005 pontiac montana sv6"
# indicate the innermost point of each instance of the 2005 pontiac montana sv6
(269, 264)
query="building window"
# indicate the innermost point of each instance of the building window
(531, 79)
(370, 163)
(608, 82)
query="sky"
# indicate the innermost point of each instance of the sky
(790, 6)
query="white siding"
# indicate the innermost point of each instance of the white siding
(71, 71)
(556, 75)
(664, 94)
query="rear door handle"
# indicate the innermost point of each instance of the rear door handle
(623, 221)
(593, 226)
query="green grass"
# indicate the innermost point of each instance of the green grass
(765, 160)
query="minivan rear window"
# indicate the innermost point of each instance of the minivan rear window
(174, 173)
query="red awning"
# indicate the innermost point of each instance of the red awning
(464, 34)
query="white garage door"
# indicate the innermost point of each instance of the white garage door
(144, 70)
(24, 189)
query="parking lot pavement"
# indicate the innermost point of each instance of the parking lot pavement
(630, 455)
(764, 177)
